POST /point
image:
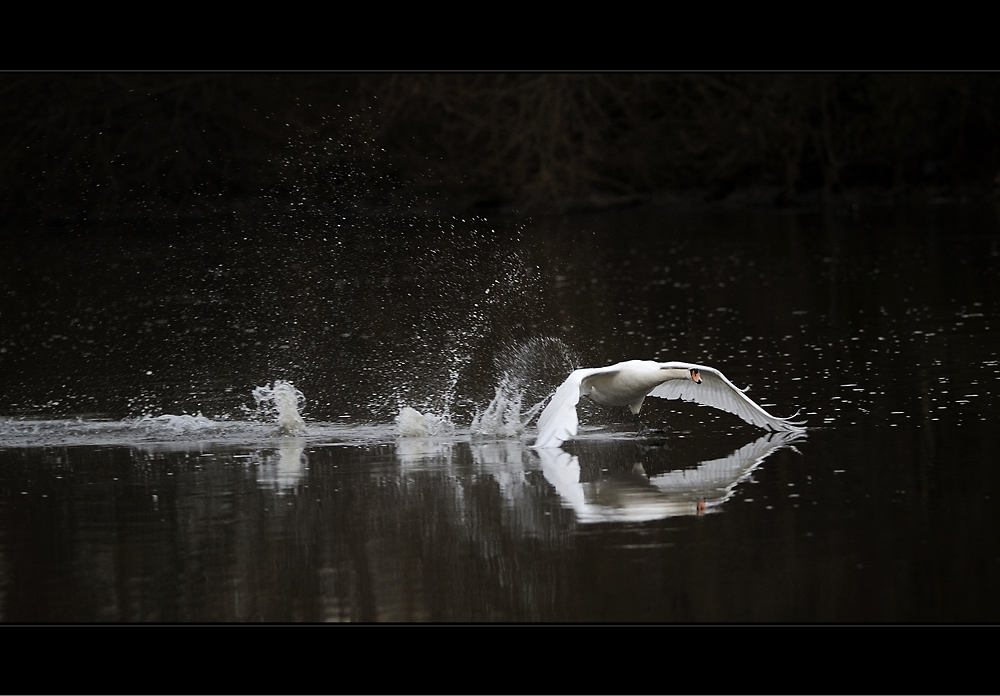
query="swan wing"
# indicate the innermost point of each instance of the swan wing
(718, 392)
(558, 421)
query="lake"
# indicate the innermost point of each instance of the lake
(142, 481)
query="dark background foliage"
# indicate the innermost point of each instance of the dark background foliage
(79, 147)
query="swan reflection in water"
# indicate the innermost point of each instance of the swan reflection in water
(639, 498)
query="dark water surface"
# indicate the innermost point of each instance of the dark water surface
(140, 481)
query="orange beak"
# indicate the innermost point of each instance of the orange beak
(696, 376)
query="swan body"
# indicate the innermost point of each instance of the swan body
(629, 383)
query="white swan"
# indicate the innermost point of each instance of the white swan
(629, 383)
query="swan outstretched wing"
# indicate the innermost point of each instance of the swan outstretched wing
(558, 421)
(718, 392)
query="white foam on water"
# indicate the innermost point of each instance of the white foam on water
(278, 404)
(177, 424)
(412, 423)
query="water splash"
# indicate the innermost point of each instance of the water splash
(413, 423)
(377, 303)
(502, 417)
(282, 400)
(530, 370)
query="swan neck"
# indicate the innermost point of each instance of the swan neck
(674, 373)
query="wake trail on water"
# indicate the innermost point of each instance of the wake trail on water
(527, 375)
(277, 405)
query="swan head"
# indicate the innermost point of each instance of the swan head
(695, 376)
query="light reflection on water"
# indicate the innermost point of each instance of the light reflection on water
(399, 517)
(882, 330)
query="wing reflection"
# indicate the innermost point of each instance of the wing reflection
(637, 498)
